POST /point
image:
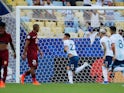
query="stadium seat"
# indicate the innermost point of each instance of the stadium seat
(69, 23)
(22, 3)
(122, 12)
(58, 14)
(57, 30)
(73, 35)
(69, 29)
(45, 29)
(118, 0)
(79, 3)
(29, 24)
(119, 3)
(23, 13)
(29, 2)
(41, 24)
(79, 14)
(118, 15)
(60, 24)
(93, 1)
(46, 32)
(50, 24)
(59, 35)
(16, 2)
(119, 24)
(27, 13)
(80, 33)
(11, 2)
(25, 19)
(60, 18)
(82, 21)
(76, 24)
(57, 3)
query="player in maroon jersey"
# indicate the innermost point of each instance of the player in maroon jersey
(5, 39)
(30, 51)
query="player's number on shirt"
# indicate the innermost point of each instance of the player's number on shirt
(72, 47)
(120, 44)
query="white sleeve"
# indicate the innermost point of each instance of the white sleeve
(65, 43)
(28, 37)
(113, 40)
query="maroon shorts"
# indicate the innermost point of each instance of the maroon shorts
(4, 56)
(32, 58)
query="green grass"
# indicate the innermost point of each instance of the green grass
(64, 88)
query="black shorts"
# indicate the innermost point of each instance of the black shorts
(118, 63)
(108, 61)
(73, 63)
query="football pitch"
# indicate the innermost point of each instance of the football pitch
(64, 88)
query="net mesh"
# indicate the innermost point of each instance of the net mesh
(53, 24)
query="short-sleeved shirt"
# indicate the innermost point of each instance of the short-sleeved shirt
(107, 42)
(119, 46)
(71, 47)
(32, 37)
(5, 38)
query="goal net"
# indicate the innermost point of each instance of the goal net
(82, 23)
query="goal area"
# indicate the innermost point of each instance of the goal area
(54, 21)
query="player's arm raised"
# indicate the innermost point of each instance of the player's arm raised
(25, 49)
(104, 47)
(12, 47)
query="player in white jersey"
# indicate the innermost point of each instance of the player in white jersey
(118, 50)
(108, 54)
(72, 67)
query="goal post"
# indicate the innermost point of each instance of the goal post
(17, 45)
(52, 51)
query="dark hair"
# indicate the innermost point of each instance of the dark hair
(113, 28)
(67, 34)
(35, 25)
(2, 24)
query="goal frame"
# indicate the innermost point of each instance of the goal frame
(18, 11)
